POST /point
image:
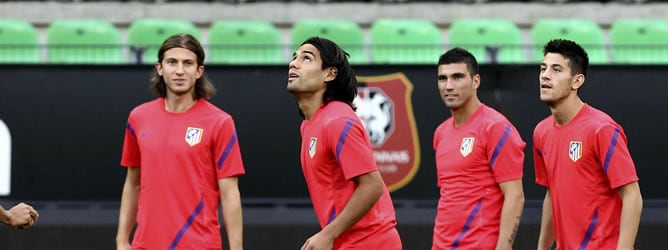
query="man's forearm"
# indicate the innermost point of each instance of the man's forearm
(368, 191)
(546, 236)
(630, 215)
(4, 215)
(233, 218)
(128, 212)
(511, 213)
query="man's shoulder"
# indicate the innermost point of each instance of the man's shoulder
(213, 110)
(544, 125)
(146, 107)
(337, 111)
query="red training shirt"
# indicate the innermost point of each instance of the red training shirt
(582, 163)
(181, 156)
(336, 148)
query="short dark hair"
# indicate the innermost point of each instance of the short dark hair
(344, 87)
(459, 55)
(577, 57)
(203, 87)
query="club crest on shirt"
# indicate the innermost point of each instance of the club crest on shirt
(312, 146)
(467, 146)
(194, 136)
(575, 150)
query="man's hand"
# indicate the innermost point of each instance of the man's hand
(22, 216)
(318, 242)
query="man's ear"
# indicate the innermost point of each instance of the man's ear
(578, 81)
(476, 81)
(331, 74)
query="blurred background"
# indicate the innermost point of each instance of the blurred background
(73, 70)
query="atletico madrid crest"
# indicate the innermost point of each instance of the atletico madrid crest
(467, 146)
(575, 150)
(194, 136)
(311, 146)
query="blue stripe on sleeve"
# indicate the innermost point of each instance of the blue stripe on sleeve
(332, 216)
(227, 151)
(499, 146)
(611, 150)
(590, 231)
(465, 229)
(132, 131)
(186, 226)
(343, 136)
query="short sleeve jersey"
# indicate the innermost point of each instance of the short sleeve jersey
(582, 163)
(181, 156)
(471, 161)
(336, 148)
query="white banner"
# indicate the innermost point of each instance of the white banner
(5, 159)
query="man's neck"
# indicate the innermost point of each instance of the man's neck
(462, 114)
(309, 103)
(179, 103)
(564, 111)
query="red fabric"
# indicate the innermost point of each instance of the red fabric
(471, 161)
(571, 161)
(180, 172)
(335, 127)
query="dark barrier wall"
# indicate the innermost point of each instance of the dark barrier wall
(67, 123)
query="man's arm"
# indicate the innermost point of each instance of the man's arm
(630, 218)
(230, 201)
(546, 237)
(370, 187)
(19, 216)
(128, 211)
(511, 212)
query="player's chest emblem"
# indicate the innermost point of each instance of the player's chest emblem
(312, 146)
(194, 136)
(575, 150)
(467, 146)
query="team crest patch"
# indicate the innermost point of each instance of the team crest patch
(312, 146)
(575, 150)
(467, 146)
(194, 136)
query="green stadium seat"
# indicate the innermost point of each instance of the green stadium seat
(84, 41)
(479, 36)
(146, 35)
(639, 41)
(412, 41)
(245, 42)
(345, 33)
(583, 31)
(19, 42)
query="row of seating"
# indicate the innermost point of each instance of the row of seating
(391, 41)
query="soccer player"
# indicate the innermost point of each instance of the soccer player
(593, 200)
(19, 216)
(351, 201)
(479, 161)
(182, 158)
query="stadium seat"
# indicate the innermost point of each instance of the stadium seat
(583, 31)
(84, 41)
(485, 38)
(146, 35)
(19, 42)
(245, 42)
(346, 33)
(397, 41)
(639, 41)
